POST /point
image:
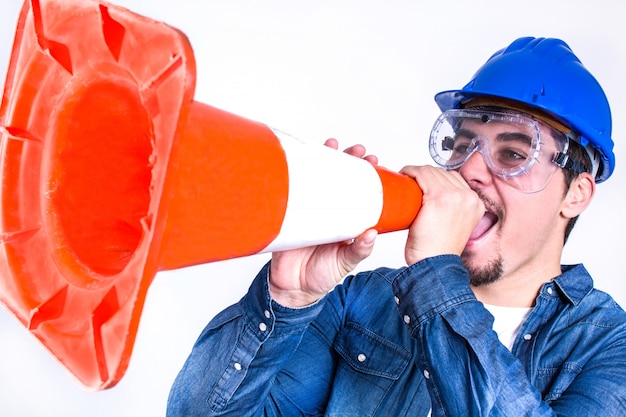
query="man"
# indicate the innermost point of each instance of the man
(484, 320)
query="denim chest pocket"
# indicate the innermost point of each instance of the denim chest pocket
(371, 354)
(554, 381)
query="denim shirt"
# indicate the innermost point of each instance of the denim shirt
(396, 342)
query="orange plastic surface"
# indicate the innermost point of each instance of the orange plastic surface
(93, 101)
(401, 201)
(227, 195)
(111, 173)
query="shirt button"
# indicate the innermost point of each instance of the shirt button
(238, 366)
(426, 374)
(528, 336)
(267, 314)
(550, 290)
(397, 300)
(263, 327)
(407, 319)
(361, 357)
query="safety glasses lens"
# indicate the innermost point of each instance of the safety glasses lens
(510, 144)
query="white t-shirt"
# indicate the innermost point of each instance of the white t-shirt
(507, 322)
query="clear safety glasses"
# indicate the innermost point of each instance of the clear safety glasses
(510, 143)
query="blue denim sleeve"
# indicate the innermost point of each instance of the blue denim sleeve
(468, 371)
(234, 362)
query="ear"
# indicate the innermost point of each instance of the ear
(578, 196)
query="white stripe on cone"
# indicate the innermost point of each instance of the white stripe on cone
(333, 196)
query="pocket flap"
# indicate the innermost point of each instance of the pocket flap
(370, 353)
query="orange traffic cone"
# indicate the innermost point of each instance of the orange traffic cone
(111, 172)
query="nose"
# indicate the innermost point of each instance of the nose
(475, 170)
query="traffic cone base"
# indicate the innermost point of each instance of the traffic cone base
(111, 172)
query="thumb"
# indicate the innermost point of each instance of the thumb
(360, 249)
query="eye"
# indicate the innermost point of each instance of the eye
(511, 157)
(461, 145)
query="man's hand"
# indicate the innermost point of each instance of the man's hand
(450, 211)
(300, 277)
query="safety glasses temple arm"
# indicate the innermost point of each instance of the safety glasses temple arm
(566, 162)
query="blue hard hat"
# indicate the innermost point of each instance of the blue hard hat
(546, 75)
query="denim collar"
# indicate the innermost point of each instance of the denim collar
(574, 283)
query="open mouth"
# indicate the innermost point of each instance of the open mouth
(484, 225)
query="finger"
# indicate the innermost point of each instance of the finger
(332, 143)
(456, 178)
(372, 159)
(356, 150)
(425, 175)
(410, 170)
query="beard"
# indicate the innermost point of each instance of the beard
(485, 274)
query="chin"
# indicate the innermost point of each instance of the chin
(482, 271)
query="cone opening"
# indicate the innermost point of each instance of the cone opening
(99, 176)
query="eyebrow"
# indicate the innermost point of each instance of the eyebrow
(501, 137)
(514, 137)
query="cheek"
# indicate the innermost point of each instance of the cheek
(529, 221)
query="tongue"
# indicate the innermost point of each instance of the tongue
(484, 224)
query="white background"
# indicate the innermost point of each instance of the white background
(362, 71)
